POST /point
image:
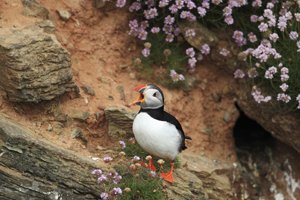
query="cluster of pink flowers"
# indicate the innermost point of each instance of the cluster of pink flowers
(273, 20)
(103, 178)
(266, 48)
(175, 76)
(171, 12)
(258, 97)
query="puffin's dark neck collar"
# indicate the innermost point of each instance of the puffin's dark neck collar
(157, 113)
(160, 109)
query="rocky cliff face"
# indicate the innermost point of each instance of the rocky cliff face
(36, 169)
(284, 126)
(33, 65)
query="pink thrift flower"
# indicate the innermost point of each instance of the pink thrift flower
(201, 11)
(283, 97)
(190, 52)
(258, 97)
(117, 178)
(102, 178)
(181, 77)
(123, 144)
(298, 99)
(104, 196)
(192, 62)
(205, 49)
(216, 2)
(107, 159)
(252, 37)
(227, 11)
(151, 13)
(136, 158)
(155, 30)
(297, 16)
(146, 52)
(224, 52)
(273, 37)
(170, 38)
(120, 3)
(239, 74)
(116, 191)
(135, 6)
(190, 33)
(229, 20)
(263, 27)
(97, 172)
(254, 18)
(293, 35)
(284, 87)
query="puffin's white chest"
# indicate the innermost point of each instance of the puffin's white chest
(158, 138)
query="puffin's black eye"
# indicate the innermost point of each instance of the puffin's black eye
(154, 94)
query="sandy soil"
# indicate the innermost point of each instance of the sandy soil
(102, 53)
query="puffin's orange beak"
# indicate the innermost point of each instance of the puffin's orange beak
(140, 99)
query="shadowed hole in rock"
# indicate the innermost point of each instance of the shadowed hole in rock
(268, 168)
(248, 134)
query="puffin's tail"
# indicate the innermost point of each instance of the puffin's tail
(187, 137)
(183, 147)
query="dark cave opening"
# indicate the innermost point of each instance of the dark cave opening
(263, 162)
(253, 146)
(248, 134)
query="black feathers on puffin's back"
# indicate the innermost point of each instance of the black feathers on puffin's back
(162, 115)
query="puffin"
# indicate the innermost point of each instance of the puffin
(155, 130)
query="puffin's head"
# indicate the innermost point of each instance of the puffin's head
(151, 96)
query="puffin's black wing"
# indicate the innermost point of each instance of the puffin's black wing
(171, 119)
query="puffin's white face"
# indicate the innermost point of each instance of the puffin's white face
(151, 97)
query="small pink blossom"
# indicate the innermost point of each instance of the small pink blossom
(201, 11)
(146, 52)
(252, 37)
(116, 191)
(104, 196)
(263, 27)
(107, 159)
(102, 178)
(254, 18)
(224, 52)
(190, 52)
(136, 158)
(284, 87)
(258, 97)
(120, 3)
(123, 144)
(190, 33)
(269, 74)
(192, 62)
(229, 20)
(205, 49)
(293, 35)
(297, 16)
(97, 172)
(273, 37)
(283, 97)
(239, 74)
